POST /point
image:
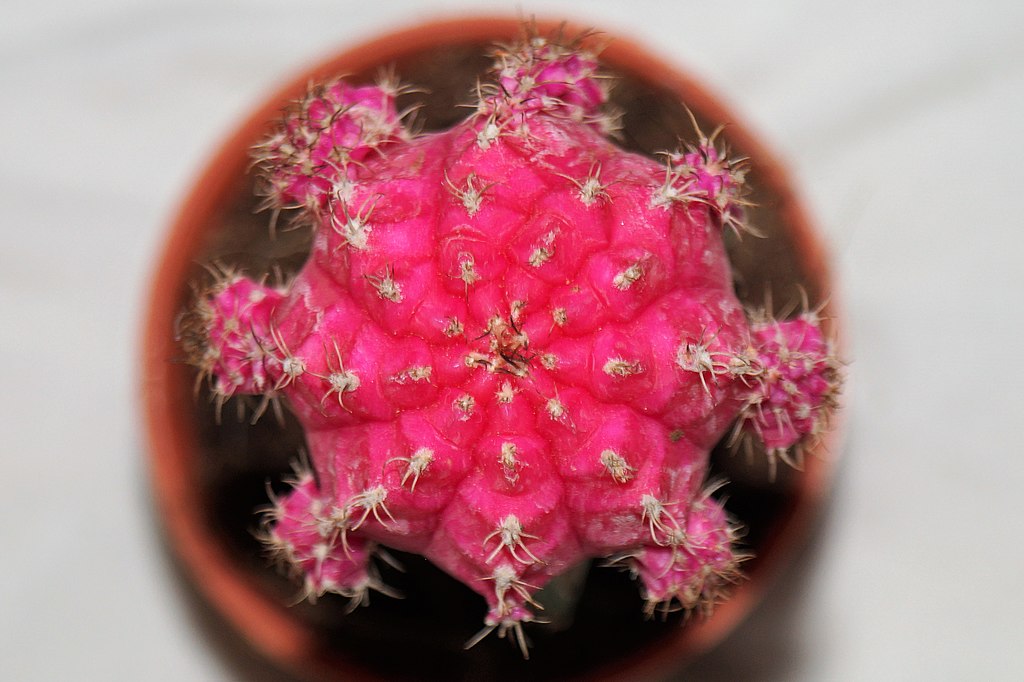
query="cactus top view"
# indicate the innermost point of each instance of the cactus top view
(512, 346)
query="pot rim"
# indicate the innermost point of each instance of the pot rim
(267, 626)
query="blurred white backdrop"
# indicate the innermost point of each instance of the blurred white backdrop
(902, 122)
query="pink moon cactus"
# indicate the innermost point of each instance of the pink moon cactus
(513, 344)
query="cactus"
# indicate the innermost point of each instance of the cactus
(512, 346)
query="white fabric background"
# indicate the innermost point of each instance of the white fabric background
(903, 123)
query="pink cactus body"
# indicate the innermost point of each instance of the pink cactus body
(513, 344)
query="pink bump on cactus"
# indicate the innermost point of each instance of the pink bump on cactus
(513, 345)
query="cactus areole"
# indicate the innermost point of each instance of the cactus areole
(512, 346)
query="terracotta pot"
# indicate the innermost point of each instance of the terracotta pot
(208, 479)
